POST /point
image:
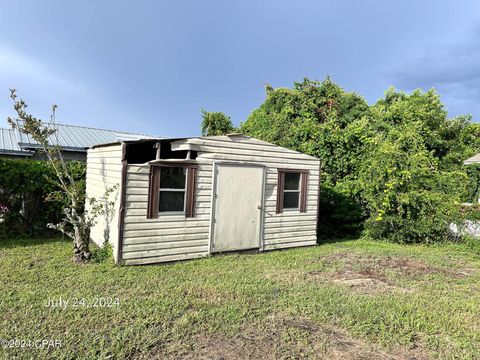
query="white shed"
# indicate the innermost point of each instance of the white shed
(189, 198)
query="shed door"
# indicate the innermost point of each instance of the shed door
(237, 207)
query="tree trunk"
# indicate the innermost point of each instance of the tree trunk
(81, 252)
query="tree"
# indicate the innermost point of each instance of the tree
(322, 120)
(412, 180)
(315, 118)
(357, 143)
(216, 123)
(408, 198)
(77, 221)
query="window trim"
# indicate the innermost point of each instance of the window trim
(302, 197)
(154, 189)
(184, 191)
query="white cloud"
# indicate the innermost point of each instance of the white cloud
(15, 65)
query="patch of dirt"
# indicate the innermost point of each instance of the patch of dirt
(373, 274)
(402, 265)
(365, 281)
(286, 338)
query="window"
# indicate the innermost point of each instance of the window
(291, 193)
(292, 190)
(171, 189)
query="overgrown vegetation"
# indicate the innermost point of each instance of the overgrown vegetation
(393, 169)
(342, 300)
(26, 203)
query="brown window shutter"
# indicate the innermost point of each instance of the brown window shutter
(153, 192)
(280, 188)
(191, 185)
(303, 192)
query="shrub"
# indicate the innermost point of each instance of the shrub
(408, 199)
(25, 187)
(339, 214)
(102, 254)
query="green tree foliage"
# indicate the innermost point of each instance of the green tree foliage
(315, 118)
(406, 196)
(216, 123)
(320, 119)
(394, 168)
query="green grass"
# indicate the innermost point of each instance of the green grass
(417, 300)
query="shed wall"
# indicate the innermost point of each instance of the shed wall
(104, 170)
(174, 237)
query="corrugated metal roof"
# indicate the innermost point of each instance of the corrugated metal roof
(77, 138)
(9, 143)
(473, 160)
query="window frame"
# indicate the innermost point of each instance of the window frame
(302, 190)
(184, 190)
(154, 189)
(296, 191)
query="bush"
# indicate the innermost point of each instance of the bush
(339, 214)
(408, 199)
(418, 217)
(470, 212)
(25, 209)
(103, 254)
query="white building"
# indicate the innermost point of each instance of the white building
(192, 197)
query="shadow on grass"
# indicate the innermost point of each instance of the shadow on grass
(26, 242)
(335, 240)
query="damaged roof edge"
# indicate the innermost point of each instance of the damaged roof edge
(28, 146)
(128, 141)
(137, 141)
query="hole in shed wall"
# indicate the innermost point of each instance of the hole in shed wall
(145, 151)
(141, 152)
(167, 153)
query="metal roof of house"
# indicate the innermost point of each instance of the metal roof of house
(68, 137)
(475, 159)
(9, 143)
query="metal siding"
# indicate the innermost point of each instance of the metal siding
(79, 137)
(9, 143)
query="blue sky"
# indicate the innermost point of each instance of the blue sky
(149, 66)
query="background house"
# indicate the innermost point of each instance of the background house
(475, 159)
(74, 141)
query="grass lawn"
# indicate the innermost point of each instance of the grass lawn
(347, 300)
